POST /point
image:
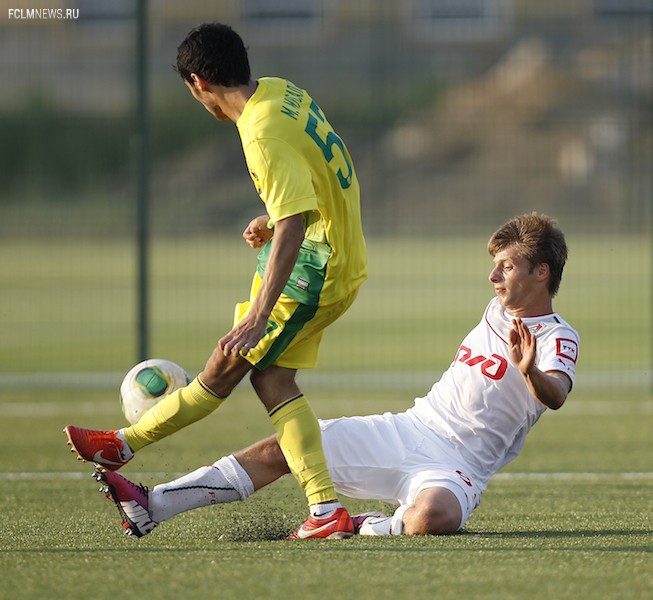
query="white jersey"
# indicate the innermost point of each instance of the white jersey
(482, 405)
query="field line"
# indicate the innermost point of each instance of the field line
(75, 475)
(587, 476)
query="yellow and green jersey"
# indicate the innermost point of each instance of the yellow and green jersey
(299, 165)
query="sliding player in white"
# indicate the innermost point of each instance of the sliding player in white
(436, 459)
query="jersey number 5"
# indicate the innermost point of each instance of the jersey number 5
(315, 119)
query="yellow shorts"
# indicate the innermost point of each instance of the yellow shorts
(294, 332)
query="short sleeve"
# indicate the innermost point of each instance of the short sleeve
(558, 351)
(282, 178)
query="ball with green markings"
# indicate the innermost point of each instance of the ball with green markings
(147, 383)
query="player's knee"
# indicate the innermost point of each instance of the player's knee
(432, 520)
(436, 512)
(222, 374)
(220, 386)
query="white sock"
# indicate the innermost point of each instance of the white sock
(324, 509)
(393, 525)
(224, 481)
(127, 452)
(397, 520)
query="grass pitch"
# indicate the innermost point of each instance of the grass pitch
(70, 305)
(570, 518)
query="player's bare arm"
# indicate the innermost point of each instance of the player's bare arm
(289, 235)
(257, 233)
(549, 388)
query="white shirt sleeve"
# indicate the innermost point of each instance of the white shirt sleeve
(558, 350)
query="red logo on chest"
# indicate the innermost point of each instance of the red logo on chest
(494, 367)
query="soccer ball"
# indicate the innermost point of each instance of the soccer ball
(147, 383)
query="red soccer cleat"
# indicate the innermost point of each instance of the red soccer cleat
(101, 447)
(337, 526)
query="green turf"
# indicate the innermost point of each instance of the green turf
(570, 518)
(560, 522)
(69, 305)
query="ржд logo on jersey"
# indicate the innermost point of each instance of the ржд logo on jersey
(494, 367)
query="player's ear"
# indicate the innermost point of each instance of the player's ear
(198, 82)
(543, 271)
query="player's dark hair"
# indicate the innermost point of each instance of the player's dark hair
(215, 52)
(539, 240)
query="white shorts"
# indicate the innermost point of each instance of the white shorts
(393, 457)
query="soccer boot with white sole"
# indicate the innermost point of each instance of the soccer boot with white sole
(368, 518)
(337, 526)
(100, 447)
(130, 499)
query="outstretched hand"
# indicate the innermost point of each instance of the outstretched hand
(522, 346)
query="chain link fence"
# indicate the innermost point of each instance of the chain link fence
(459, 115)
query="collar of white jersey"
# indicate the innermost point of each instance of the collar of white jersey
(500, 320)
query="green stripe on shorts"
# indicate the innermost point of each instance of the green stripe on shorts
(302, 315)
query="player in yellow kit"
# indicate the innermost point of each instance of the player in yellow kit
(312, 262)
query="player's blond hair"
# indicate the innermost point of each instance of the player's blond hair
(539, 240)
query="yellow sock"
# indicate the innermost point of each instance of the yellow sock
(174, 412)
(300, 440)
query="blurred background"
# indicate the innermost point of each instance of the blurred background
(459, 114)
